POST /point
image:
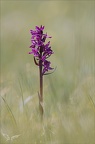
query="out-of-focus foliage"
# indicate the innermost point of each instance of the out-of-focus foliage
(69, 93)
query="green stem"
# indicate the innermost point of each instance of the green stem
(41, 90)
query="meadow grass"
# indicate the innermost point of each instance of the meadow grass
(65, 121)
(69, 93)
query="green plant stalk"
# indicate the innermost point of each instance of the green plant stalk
(41, 90)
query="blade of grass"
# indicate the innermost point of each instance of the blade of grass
(21, 92)
(22, 97)
(90, 98)
(91, 101)
(10, 112)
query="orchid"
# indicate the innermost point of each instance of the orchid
(39, 49)
(41, 52)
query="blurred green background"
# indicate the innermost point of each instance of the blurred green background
(69, 93)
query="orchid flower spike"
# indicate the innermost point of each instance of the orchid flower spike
(41, 50)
